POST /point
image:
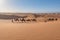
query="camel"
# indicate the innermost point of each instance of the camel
(28, 20)
(56, 19)
(34, 20)
(22, 20)
(15, 19)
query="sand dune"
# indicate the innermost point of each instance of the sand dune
(29, 31)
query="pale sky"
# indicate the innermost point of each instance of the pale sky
(30, 6)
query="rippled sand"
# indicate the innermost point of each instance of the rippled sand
(29, 31)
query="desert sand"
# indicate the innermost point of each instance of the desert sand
(29, 31)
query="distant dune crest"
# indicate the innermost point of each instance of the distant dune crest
(30, 17)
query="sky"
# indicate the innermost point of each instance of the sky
(35, 6)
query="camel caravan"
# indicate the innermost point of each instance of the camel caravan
(25, 19)
(51, 19)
